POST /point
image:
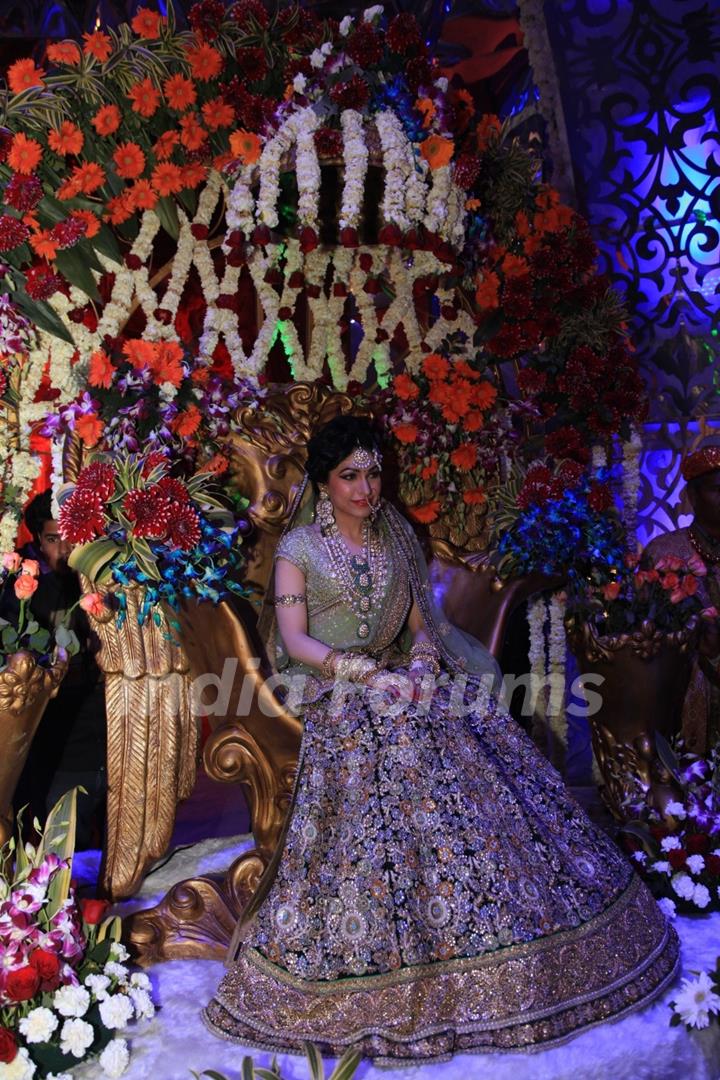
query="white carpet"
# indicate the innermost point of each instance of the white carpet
(640, 1047)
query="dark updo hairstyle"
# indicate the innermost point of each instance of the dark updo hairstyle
(37, 513)
(335, 441)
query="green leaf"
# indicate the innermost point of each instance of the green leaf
(32, 627)
(67, 639)
(667, 756)
(42, 315)
(167, 212)
(59, 838)
(247, 1071)
(110, 930)
(347, 1065)
(266, 1074)
(106, 244)
(317, 1070)
(74, 267)
(39, 642)
(94, 559)
(214, 1075)
(9, 638)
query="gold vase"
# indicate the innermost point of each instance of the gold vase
(25, 689)
(152, 739)
(645, 678)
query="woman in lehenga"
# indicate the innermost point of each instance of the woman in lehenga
(437, 890)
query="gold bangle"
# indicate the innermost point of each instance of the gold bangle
(289, 598)
(329, 664)
(354, 667)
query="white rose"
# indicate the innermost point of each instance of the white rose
(683, 886)
(696, 863)
(97, 985)
(345, 25)
(667, 906)
(20, 1068)
(116, 1011)
(76, 1037)
(662, 867)
(115, 1057)
(701, 896)
(71, 1000)
(676, 809)
(373, 12)
(38, 1025)
(670, 843)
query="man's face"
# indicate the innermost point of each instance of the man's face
(704, 498)
(54, 549)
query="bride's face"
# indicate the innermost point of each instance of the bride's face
(353, 490)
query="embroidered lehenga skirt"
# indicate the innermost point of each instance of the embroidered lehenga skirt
(438, 891)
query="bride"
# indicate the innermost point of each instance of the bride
(436, 889)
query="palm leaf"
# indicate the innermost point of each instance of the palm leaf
(59, 839)
(347, 1065)
(317, 1070)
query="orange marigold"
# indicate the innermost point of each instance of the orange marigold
(221, 160)
(488, 130)
(474, 497)
(435, 366)
(145, 98)
(473, 421)
(205, 62)
(246, 146)
(147, 23)
(514, 266)
(437, 151)
(464, 457)
(484, 395)
(23, 74)
(91, 222)
(405, 433)
(25, 154)
(218, 113)
(129, 160)
(405, 387)
(179, 92)
(428, 471)
(67, 139)
(89, 427)
(187, 422)
(193, 133)
(165, 145)
(101, 370)
(427, 513)
(64, 52)
(98, 44)
(141, 196)
(106, 120)
(166, 179)
(43, 245)
(461, 367)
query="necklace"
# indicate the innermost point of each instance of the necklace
(363, 576)
(706, 546)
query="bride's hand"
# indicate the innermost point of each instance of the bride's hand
(398, 684)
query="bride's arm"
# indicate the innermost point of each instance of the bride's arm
(292, 618)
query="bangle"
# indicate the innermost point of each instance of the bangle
(289, 598)
(424, 653)
(329, 664)
(354, 667)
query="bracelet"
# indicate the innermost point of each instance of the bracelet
(354, 667)
(424, 653)
(289, 598)
(329, 664)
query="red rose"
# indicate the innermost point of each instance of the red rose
(23, 984)
(93, 910)
(712, 864)
(308, 239)
(677, 857)
(8, 1046)
(349, 237)
(46, 963)
(697, 843)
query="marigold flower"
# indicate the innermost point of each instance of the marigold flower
(92, 225)
(101, 370)
(166, 179)
(427, 513)
(165, 145)
(246, 146)
(193, 133)
(129, 160)
(473, 421)
(193, 174)
(119, 209)
(43, 245)
(483, 395)
(405, 387)
(145, 98)
(98, 44)
(25, 154)
(147, 23)
(464, 457)
(64, 52)
(140, 196)
(89, 427)
(23, 74)
(106, 120)
(179, 92)
(90, 177)
(218, 464)
(474, 497)
(167, 363)
(218, 113)
(514, 266)
(140, 353)
(405, 432)
(187, 422)
(435, 366)
(68, 139)
(205, 62)
(437, 151)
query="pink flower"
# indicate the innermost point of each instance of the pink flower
(94, 604)
(31, 566)
(11, 561)
(25, 586)
(696, 565)
(709, 613)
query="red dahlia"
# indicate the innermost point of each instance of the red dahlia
(403, 34)
(3, 382)
(365, 46)
(149, 510)
(253, 64)
(154, 458)
(353, 94)
(205, 18)
(329, 142)
(98, 479)
(184, 528)
(418, 73)
(12, 232)
(174, 490)
(467, 170)
(41, 282)
(67, 233)
(567, 442)
(23, 193)
(246, 10)
(81, 517)
(600, 498)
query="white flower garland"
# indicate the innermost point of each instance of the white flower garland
(632, 452)
(537, 614)
(307, 170)
(393, 141)
(240, 204)
(355, 155)
(437, 218)
(557, 655)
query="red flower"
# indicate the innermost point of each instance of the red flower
(600, 497)
(12, 232)
(147, 23)
(93, 910)
(81, 517)
(540, 486)
(46, 963)
(328, 142)
(184, 528)
(677, 858)
(41, 282)
(174, 489)
(567, 442)
(364, 46)
(252, 64)
(245, 12)
(23, 984)
(697, 843)
(8, 1046)
(23, 193)
(531, 382)
(403, 34)
(98, 479)
(149, 509)
(353, 94)
(205, 18)
(153, 460)
(712, 864)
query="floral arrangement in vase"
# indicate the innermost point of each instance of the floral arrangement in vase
(66, 992)
(134, 523)
(678, 853)
(24, 633)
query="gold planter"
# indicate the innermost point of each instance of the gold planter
(25, 689)
(645, 675)
(152, 740)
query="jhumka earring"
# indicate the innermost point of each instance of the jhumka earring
(324, 511)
